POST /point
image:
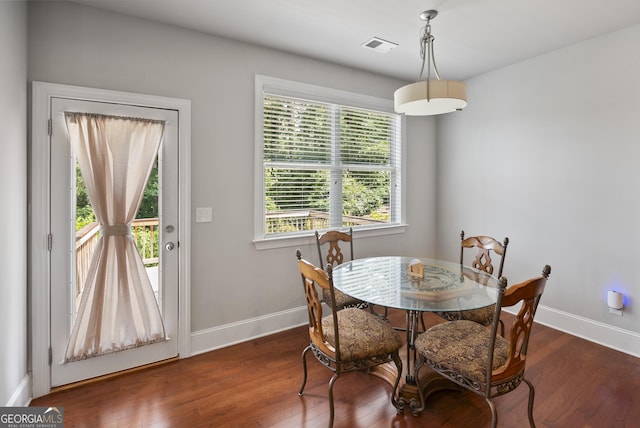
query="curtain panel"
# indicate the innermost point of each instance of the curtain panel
(118, 309)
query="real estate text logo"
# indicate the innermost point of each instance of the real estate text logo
(31, 417)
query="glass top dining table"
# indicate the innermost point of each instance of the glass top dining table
(444, 286)
(434, 286)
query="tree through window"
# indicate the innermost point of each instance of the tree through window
(328, 165)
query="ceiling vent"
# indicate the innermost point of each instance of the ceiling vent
(379, 45)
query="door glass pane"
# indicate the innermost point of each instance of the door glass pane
(144, 231)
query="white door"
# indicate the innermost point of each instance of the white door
(64, 290)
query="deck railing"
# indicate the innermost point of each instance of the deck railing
(295, 221)
(144, 232)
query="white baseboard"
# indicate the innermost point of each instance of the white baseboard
(241, 331)
(229, 334)
(594, 331)
(22, 395)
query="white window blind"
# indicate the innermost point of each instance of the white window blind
(328, 166)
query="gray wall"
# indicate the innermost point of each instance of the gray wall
(13, 192)
(548, 154)
(83, 46)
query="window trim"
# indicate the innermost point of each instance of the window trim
(290, 88)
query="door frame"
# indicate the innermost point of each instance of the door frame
(39, 215)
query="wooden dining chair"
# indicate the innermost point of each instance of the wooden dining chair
(485, 245)
(334, 256)
(348, 340)
(476, 357)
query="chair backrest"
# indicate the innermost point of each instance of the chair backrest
(334, 256)
(484, 244)
(313, 277)
(528, 293)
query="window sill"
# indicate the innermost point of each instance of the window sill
(309, 238)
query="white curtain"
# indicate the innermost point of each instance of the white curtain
(118, 309)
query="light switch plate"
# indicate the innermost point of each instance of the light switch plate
(204, 215)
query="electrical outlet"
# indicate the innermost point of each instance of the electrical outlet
(617, 312)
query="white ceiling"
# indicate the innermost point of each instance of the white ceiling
(471, 36)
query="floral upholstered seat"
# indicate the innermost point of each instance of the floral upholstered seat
(462, 346)
(482, 316)
(362, 335)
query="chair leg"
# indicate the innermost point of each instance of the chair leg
(494, 413)
(304, 369)
(395, 393)
(532, 394)
(331, 382)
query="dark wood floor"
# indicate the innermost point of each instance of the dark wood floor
(255, 384)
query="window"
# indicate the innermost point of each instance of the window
(325, 159)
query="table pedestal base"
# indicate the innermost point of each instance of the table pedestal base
(408, 390)
(430, 381)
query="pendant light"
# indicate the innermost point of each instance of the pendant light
(431, 96)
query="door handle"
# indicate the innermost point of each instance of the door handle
(170, 246)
